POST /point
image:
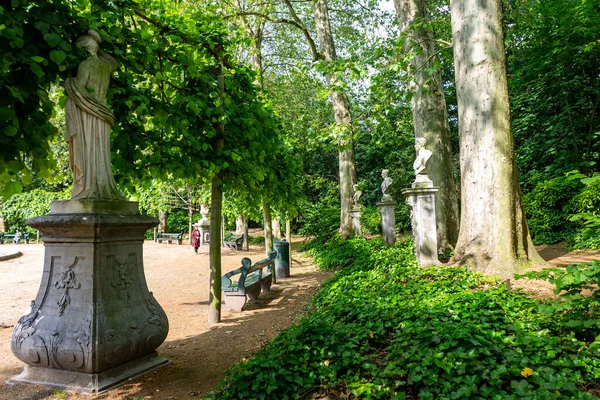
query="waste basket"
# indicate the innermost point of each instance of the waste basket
(282, 261)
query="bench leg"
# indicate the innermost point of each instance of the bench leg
(235, 303)
(265, 284)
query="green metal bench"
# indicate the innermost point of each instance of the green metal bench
(252, 279)
(169, 237)
(9, 237)
(234, 242)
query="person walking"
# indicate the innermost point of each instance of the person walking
(195, 239)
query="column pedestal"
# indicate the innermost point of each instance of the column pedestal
(93, 324)
(355, 212)
(421, 201)
(388, 220)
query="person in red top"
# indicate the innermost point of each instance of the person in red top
(196, 239)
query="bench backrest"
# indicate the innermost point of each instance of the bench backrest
(247, 268)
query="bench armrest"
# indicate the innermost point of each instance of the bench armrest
(242, 271)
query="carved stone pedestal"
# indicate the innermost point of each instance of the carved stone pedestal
(388, 220)
(421, 200)
(93, 324)
(356, 221)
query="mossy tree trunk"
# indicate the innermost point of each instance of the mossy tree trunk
(430, 115)
(343, 119)
(493, 236)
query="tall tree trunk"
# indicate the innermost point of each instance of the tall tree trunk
(216, 221)
(288, 237)
(216, 204)
(267, 227)
(239, 224)
(190, 212)
(276, 228)
(245, 242)
(493, 236)
(341, 109)
(163, 225)
(430, 115)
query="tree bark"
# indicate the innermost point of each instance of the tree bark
(267, 227)
(216, 204)
(245, 242)
(276, 225)
(343, 118)
(239, 224)
(430, 116)
(493, 236)
(163, 225)
(216, 221)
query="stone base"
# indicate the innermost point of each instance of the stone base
(388, 221)
(90, 383)
(421, 201)
(356, 221)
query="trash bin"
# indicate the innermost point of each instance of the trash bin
(282, 261)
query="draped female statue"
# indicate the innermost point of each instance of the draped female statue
(89, 122)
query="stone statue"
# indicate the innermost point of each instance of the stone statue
(356, 196)
(88, 124)
(423, 155)
(387, 181)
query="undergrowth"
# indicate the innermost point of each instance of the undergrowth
(384, 328)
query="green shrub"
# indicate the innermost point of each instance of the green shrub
(370, 220)
(20, 207)
(586, 207)
(384, 328)
(548, 208)
(320, 220)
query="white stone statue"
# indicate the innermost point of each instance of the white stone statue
(88, 124)
(387, 181)
(356, 195)
(423, 155)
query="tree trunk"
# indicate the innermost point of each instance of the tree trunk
(276, 225)
(239, 224)
(216, 204)
(493, 236)
(216, 221)
(190, 213)
(245, 242)
(341, 109)
(288, 237)
(267, 227)
(430, 115)
(163, 225)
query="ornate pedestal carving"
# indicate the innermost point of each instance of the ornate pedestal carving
(93, 324)
(388, 220)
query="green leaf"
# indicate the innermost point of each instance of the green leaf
(52, 39)
(38, 59)
(37, 70)
(6, 114)
(10, 130)
(58, 56)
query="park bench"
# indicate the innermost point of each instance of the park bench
(234, 241)
(252, 279)
(9, 237)
(169, 237)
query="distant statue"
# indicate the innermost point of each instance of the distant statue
(89, 122)
(423, 155)
(385, 185)
(356, 196)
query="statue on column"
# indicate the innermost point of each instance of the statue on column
(89, 121)
(385, 185)
(356, 196)
(420, 164)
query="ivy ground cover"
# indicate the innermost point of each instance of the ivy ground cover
(384, 328)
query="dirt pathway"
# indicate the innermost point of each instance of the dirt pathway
(179, 279)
